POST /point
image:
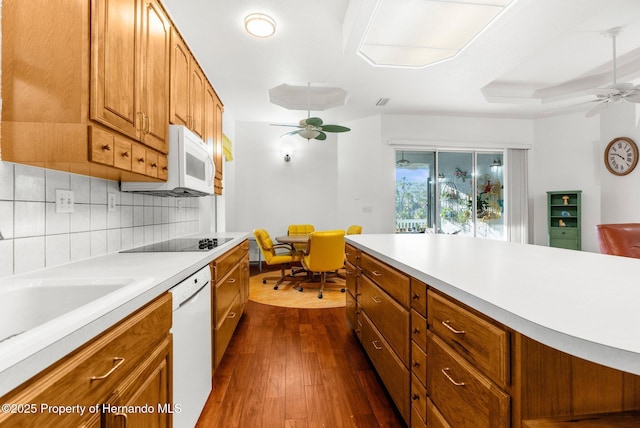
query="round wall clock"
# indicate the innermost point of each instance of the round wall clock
(621, 156)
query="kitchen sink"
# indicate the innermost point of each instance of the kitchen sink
(29, 303)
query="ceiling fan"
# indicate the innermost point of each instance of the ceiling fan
(313, 127)
(616, 91)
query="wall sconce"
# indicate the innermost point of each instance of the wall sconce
(287, 158)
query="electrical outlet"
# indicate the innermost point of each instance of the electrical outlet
(111, 202)
(64, 201)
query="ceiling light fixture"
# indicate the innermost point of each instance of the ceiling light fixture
(260, 25)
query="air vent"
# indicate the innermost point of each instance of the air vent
(382, 102)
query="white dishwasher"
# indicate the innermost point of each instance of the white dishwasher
(191, 330)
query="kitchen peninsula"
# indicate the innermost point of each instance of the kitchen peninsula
(510, 334)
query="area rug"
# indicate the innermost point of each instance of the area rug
(287, 294)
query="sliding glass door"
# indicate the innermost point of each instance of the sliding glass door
(453, 192)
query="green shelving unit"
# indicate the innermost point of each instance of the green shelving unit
(564, 219)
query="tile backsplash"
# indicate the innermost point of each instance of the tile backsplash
(36, 237)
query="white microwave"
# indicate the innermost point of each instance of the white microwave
(191, 168)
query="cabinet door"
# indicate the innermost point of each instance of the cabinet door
(149, 386)
(155, 38)
(179, 100)
(114, 61)
(196, 94)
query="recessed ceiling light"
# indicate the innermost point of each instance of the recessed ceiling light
(260, 25)
(414, 34)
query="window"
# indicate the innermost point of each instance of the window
(453, 192)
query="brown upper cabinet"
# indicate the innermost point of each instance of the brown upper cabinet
(130, 69)
(194, 103)
(87, 87)
(187, 87)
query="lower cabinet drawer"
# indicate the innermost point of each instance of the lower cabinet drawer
(419, 329)
(419, 363)
(225, 329)
(419, 397)
(225, 292)
(350, 277)
(394, 374)
(464, 396)
(391, 319)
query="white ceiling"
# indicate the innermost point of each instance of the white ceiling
(539, 58)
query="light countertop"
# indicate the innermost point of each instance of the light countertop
(581, 303)
(150, 274)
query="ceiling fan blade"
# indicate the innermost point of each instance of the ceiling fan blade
(285, 124)
(297, 131)
(603, 92)
(633, 95)
(313, 121)
(597, 109)
(321, 136)
(335, 128)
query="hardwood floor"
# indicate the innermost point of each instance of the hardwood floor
(296, 368)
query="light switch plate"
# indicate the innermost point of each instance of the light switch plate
(64, 201)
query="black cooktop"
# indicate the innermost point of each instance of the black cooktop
(179, 245)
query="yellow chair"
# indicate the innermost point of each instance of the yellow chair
(278, 254)
(324, 254)
(354, 229)
(299, 229)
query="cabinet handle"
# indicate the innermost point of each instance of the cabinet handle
(415, 396)
(140, 160)
(231, 280)
(117, 362)
(416, 330)
(164, 168)
(124, 419)
(141, 120)
(146, 130)
(124, 154)
(376, 300)
(106, 147)
(231, 315)
(375, 345)
(415, 296)
(376, 273)
(445, 372)
(446, 324)
(416, 363)
(153, 165)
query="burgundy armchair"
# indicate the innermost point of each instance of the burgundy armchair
(621, 239)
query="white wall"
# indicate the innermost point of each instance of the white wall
(566, 156)
(620, 196)
(271, 193)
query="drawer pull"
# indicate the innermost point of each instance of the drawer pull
(124, 154)
(375, 345)
(376, 273)
(231, 280)
(376, 300)
(415, 396)
(124, 419)
(446, 324)
(231, 315)
(445, 372)
(106, 147)
(416, 330)
(416, 296)
(416, 363)
(117, 362)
